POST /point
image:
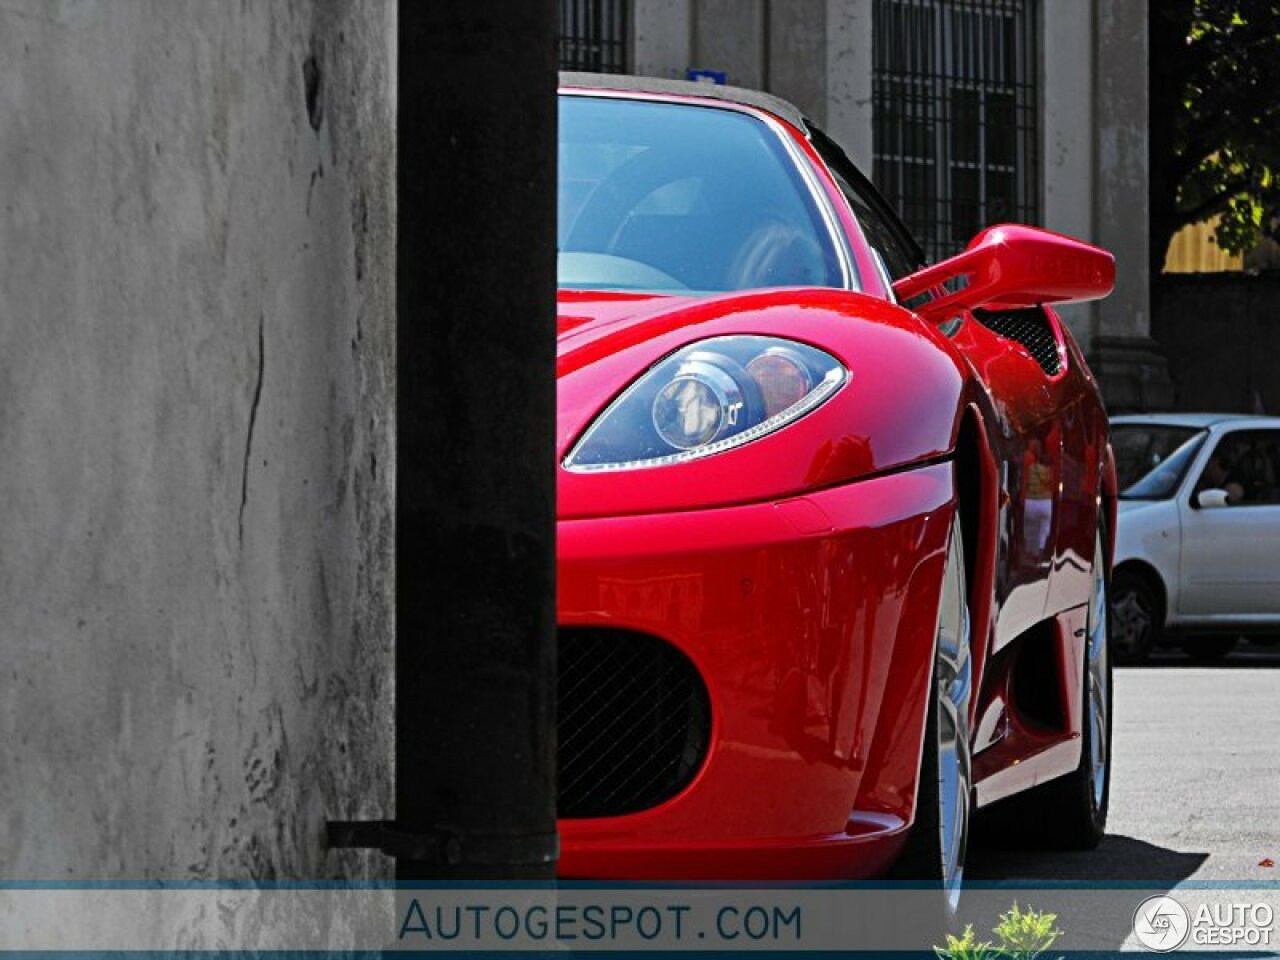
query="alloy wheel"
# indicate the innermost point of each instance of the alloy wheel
(1096, 655)
(1133, 621)
(953, 677)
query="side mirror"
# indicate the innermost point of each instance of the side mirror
(1212, 498)
(1013, 266)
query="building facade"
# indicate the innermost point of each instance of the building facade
(965, 113)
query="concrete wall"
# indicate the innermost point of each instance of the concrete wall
(195, 435)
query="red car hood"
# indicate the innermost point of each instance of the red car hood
(581, 311)
(591, 323)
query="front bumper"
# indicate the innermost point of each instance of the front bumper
(811, 621)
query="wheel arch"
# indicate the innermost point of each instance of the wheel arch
(978, 503)
(1108, 501)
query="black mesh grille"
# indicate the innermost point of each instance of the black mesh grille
(633, 722)
(1030, 328)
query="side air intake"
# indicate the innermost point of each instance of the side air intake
(1029, 327)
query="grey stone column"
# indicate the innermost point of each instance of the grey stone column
(731, 35)
(1066, 87)
(1127, 362)
(661, 38)
(797, 52)
(849, 46)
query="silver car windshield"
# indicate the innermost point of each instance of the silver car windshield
(680, 198)
(1152, 459)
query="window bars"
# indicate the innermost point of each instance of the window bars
(955, 112)
(593, 35)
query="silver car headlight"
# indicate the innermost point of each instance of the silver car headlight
(707, 398)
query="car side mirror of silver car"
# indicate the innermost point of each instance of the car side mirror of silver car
(1211, 498)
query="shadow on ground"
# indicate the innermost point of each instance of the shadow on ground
(1117, 858)
(1137, 868)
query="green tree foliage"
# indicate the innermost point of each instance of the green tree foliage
(1215, 119)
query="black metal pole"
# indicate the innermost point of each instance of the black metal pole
(475, 474)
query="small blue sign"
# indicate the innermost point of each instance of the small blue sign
(706, 76)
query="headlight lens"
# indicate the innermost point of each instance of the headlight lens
(706, 398)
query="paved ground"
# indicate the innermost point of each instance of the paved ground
(1195, 789)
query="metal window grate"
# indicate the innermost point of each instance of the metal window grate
(634, 722)
(955, 106)
(593, 35)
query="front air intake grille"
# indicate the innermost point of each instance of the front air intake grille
(633, 722)
(1029, 327)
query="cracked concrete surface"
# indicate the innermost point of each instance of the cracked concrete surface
(253, 420)
(195, 435)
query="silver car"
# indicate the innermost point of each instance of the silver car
(1197, 556)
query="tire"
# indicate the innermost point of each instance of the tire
(1137, 618)
(1071, 812)
(1208, 649)
(938, 841)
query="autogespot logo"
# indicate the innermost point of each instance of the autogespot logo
(1161, 924)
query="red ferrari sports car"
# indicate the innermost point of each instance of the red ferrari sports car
(834, 525)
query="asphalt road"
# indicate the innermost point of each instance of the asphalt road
(1195, 786)
(1195, 790)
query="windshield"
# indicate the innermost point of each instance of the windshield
(1152, 459)
(678, 198)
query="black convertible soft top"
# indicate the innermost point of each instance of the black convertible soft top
(714, 91)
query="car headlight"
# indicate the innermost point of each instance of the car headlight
(706, 398)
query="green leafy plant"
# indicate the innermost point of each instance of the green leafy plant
(1023, 935)
(967, 947)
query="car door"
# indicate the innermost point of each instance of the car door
(1231, 554)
